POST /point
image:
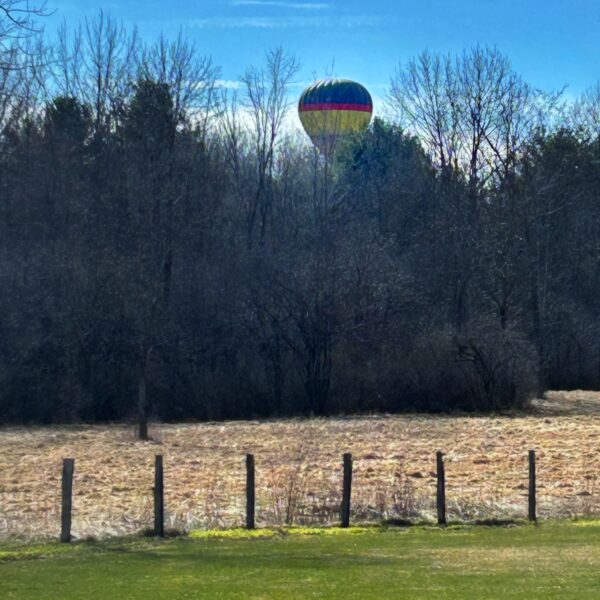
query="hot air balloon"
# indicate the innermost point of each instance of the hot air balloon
(331, 108)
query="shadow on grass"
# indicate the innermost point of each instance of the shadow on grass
(404, 523)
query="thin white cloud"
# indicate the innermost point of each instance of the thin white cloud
(292, 5)
(228, 84)
(348, 22)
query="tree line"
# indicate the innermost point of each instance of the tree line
(170, 249)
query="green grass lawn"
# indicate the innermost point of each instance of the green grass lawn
(554, 560)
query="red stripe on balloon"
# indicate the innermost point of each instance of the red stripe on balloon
(335, 106)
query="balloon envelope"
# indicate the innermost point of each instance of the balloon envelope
(331, 108)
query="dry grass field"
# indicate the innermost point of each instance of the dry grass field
(298, 466)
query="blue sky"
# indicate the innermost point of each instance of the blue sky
(552, 43)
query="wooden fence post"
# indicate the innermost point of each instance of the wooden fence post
(159, 497)
(441, 489)
(532, 488)
(250, 492)
(67, 499)
(346, 490)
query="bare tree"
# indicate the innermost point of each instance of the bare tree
(585, 113)
(426, 96)
(267, 102)
(18, 18)
(472, 112)
(67, 63)
(108, 68)
(191, 78)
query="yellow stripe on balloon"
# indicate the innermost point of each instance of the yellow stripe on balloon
(334, 122)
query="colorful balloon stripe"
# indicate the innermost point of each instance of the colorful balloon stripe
(336, 106)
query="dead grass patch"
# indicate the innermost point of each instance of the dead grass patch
(299, 469)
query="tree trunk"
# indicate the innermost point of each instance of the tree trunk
(142, 403)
